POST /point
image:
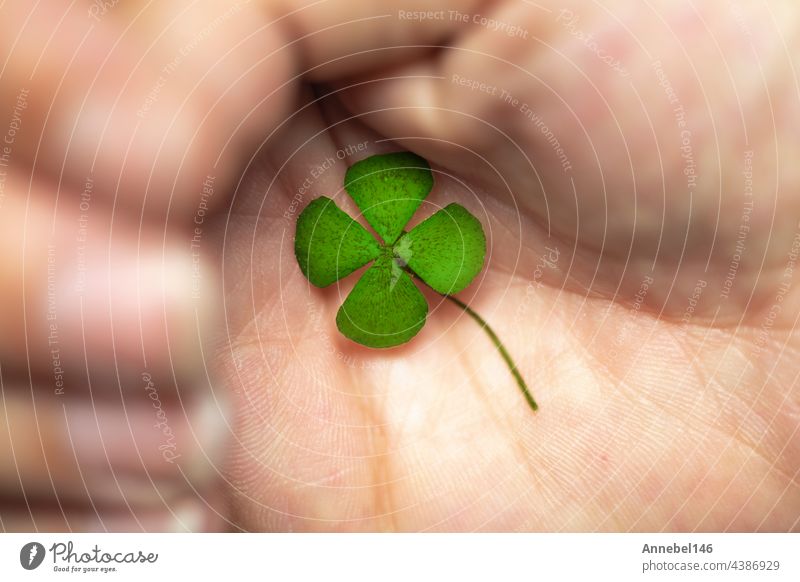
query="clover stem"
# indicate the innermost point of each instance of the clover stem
(500, 348)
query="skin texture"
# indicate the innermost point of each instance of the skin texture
(645, 423)
(677, 428)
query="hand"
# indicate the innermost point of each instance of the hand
(635, 409)
(666, 401)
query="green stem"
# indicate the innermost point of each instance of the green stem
(500, 348)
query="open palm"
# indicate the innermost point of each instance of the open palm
(667, 384)
(645, 423)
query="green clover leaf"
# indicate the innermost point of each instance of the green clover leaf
(446, 251)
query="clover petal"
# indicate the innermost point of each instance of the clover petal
(388, 189)
(385, 308)
(329, 244)
(445, 250)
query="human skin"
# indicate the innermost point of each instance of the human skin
(646, 423)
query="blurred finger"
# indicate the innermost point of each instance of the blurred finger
(189, 515)
(82, 291)
(150, 103)
(340, 37)
(144, 449)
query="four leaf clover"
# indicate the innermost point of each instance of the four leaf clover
(446, 251)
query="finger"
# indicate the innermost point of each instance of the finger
(82, 291)
(189, 515)
(574, 142)
(146, 448)
(149, 104)
(340, 37)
